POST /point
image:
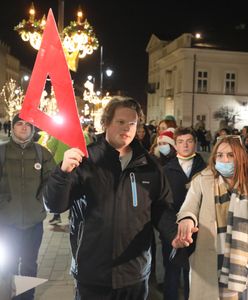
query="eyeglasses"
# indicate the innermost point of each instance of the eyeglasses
(219, 138)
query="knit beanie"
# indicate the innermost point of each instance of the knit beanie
(14, 138)
(169, 118)
(16, 119)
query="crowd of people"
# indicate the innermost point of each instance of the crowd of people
(144, 201)
(6, 126)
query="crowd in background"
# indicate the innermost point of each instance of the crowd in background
(147, 134)
(162, 141)
(190, 178)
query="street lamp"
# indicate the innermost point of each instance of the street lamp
(26, 78)
(193, 92)
(78, 39)
(107, 71)
(24, 81)
(196, 36)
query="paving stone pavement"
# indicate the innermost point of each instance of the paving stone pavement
(54, 263)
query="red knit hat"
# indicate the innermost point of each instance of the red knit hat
(166, 136)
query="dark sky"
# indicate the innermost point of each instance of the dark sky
(124, 29)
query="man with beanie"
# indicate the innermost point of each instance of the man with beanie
(180, 171)
(24, 169)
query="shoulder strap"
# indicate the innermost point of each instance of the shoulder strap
(2, 157)
(38, 152)
(2, 154)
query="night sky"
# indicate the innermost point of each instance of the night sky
(124, 29)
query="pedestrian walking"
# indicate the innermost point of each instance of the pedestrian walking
(125, 193)
(216, 207)
(24, 168)
(180, 170)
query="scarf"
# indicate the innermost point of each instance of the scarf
(232, 239)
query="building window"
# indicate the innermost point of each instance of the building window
(202, 81)
(230, 81)
(168, 78)
(151, 88)
(201, 118)
(179, 82)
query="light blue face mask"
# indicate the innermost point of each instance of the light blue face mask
(225, 169)
(164, 149)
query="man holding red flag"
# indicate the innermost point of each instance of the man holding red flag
(121, 193)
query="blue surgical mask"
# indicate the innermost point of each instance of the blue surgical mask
(164, 149)
(225, 169)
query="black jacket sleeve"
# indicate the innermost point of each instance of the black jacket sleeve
(163, 213)
(57, 195)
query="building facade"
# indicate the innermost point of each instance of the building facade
(193, 81)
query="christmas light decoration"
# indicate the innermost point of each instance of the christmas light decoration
(78, 39)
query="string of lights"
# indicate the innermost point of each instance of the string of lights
(78, 38)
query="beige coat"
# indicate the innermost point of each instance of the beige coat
(199, 204)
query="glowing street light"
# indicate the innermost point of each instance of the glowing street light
(26, 77)
(198, 35)
(109, 72)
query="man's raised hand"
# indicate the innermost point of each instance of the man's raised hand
(72, 159)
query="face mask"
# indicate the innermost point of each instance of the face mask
(164, 149)
(225, 169)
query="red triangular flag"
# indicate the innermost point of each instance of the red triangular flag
(50, 61)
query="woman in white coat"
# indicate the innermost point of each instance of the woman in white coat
(216, 208)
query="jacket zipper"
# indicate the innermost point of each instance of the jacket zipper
(134, 189)
(22, 181)
(79, 241)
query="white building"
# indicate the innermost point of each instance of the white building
(192, 81)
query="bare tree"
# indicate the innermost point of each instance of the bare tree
(227, 116)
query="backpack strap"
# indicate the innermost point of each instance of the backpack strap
(38, 152)
(2, 157)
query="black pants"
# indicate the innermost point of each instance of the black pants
(23, 251)
(137, 291)
(172, 277)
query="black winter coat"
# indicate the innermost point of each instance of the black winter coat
(115, 230)
(179, 182)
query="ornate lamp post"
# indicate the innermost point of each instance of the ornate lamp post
(78, 38)
(108, 71)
